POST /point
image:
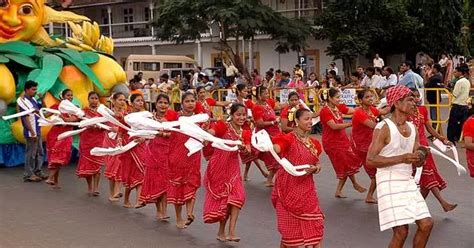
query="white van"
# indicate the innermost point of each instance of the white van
(151, 65)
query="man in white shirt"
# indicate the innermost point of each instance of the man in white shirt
(333, 67)
(230, 69)
(378, 62)
(197, 71)
(371, 80)
(459, 108)
(444, 59)
(389, 78)
(165, 84)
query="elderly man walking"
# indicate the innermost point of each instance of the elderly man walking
(394, 151)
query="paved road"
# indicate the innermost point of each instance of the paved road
(33, 215)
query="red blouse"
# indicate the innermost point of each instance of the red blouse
(419, 119)
(331, 137)
(266, 113)
(222, 127)
(362, 134)
(284, 141)
(285, 113)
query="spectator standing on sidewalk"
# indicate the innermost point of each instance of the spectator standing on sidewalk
(432, 96)
(459, 108)
(32, 134)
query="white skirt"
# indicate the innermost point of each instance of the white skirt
(399, 199)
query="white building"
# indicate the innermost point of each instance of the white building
(127, 22)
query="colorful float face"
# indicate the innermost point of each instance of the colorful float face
(20, 19)
(82, 63)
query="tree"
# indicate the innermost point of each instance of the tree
(440, 25)
(467, 31)
(184, 20)
(359, 27)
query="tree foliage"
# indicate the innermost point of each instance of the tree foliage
(184, 20)
(360, 27)
(440, 25)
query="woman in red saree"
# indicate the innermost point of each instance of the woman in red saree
(431, 180)
(336, 143)
(299, 216)
(113, 164)
(135, 160)
(287, 116)
(59, 151)
(225, 194)
(248, 157)
(184, 170)
(89, 165)
(204, 104)
(468, 133)
(364, 120)
(265, 118)
(156, 179)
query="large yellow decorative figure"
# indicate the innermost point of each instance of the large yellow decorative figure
(82, 62)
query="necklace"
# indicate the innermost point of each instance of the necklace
(369, 113)
(181, 112)
(335, 112)
(306, 141)
(401, 127)
(237, 133)
(158, 117)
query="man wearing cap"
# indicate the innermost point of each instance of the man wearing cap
(459, 107)
(394, 151)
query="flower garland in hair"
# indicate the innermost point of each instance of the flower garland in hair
(254, 91)
(291, 114)
(324, 95)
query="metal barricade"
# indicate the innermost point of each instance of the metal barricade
(437, 108)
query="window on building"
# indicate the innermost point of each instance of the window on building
(136, 66)
(147, 17)
(172, 65)
(150, 66)
(128, 18)
(104, 15)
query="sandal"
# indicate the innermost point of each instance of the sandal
(190, 220)
(96, 193)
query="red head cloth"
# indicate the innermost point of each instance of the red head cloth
(396, 93)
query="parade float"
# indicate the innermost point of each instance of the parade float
(82, 63)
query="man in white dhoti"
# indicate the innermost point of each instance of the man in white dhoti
(394, 151)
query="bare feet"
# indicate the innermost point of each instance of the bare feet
(113, 199)
(221, 237)
(49, 182)
(233, 239)
(190, 220)
(118, 195)
(164, 219)
(269, 184)
(370, 200)
(127, 205)
(340, 195)
(359, 188)
(96, 193)
(265, 175)
(246, 179)
(140, 205)
(449, 207)
(181, 225)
